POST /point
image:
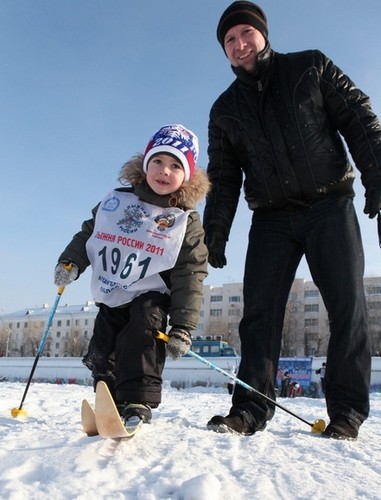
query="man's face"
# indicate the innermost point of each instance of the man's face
(242, 44)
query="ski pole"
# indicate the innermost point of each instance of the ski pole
(20, 412)
(318, 426)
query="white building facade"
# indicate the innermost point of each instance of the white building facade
(305, 331)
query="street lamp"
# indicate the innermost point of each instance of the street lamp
(9, 332)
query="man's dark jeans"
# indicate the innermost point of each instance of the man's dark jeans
(328, 234)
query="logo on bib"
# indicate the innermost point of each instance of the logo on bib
(164, 221)
(111, 204)
(133, 219)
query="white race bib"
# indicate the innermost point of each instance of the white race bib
(132, 242)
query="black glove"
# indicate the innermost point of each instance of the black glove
(372, 200)
(215, 241)
(179, 342)
(63, 276)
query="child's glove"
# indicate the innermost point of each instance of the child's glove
(64, 276)
(179, 342)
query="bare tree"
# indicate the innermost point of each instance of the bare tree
(30, 345)
(76, 345)
(221, 327)
(375, 338)
(293, 328)
(374, 322)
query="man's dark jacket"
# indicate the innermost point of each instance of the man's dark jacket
(280, 130)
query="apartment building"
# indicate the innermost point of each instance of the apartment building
(305, 330)
(306, 325)
(69, 334)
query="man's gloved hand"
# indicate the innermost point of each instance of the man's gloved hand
(65, 273)
(372, 200)
(179, 342)
(215, 242)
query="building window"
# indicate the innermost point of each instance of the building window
(59, 323)
(216, 298)
(58, 335)
(374, 305)
(68, 322)
(373, 290)
(216, 312)
(234, 312)
(235, 298)
(57, 345)
(311, 308)
(311, 322)
(311, 293)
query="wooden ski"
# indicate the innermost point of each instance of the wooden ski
(88, 419)
(108, 421)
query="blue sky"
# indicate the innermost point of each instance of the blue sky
(85, 83)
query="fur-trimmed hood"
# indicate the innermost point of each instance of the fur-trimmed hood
(188, 196)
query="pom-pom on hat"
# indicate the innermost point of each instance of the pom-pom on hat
(242, 12)
(177, 141)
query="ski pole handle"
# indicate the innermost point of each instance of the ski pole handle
(162, 336)
(68, 267)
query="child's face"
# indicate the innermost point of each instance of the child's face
(165, 174)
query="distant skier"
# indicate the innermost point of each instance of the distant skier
(285, 385)
(321, 372)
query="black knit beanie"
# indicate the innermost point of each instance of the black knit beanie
(242, 12)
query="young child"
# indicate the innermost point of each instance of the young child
(145, 244)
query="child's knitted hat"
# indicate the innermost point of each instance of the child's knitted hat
(177, 141)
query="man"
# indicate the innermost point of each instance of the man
(321, 372)
(277, 126)
(285, 385)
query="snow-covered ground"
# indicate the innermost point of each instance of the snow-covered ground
(48, 456)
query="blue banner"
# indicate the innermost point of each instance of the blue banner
(299, 369)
